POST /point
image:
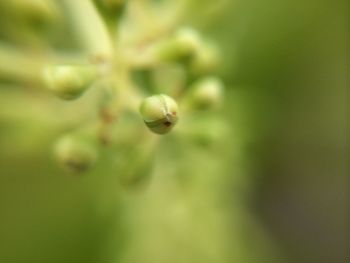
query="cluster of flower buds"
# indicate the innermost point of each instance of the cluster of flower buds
(195, 88)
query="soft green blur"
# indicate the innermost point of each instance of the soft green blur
(267, 182)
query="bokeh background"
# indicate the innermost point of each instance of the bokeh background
(274, 189)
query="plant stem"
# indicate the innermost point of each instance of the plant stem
(19, 65)
(90, 29)
(26, 66)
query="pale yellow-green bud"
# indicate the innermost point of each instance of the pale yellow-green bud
(160, 113)
(206, 60)
(74, 153)
(206, 93)
(188, 39)
(182, 45)
(69, 81)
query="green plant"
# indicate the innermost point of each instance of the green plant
(124, 63)
(129, 95)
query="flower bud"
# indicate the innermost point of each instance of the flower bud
(205, 61)
(69, 82)
(182, 45)
(159, 113)
(207, 93)
(75, 154)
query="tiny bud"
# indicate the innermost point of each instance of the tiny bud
(75, 154)
(69, 82)
(205, 61)
(207, 93)
(182, 45)
(159, 113)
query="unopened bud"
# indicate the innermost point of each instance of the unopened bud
(206, 60)
(182, 45)
(75, 153)
(207, 93)
(69, 82)
(160, 113)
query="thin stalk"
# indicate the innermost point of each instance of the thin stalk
(26, 66)
(90, 29)
(19, 65)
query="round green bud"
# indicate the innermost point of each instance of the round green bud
(205, 61)
(160, 113)
(69, 82)
(75, 153)
(188, 39)
(207, 93)
(182, 45)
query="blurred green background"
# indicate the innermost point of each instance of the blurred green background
(274, 189)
